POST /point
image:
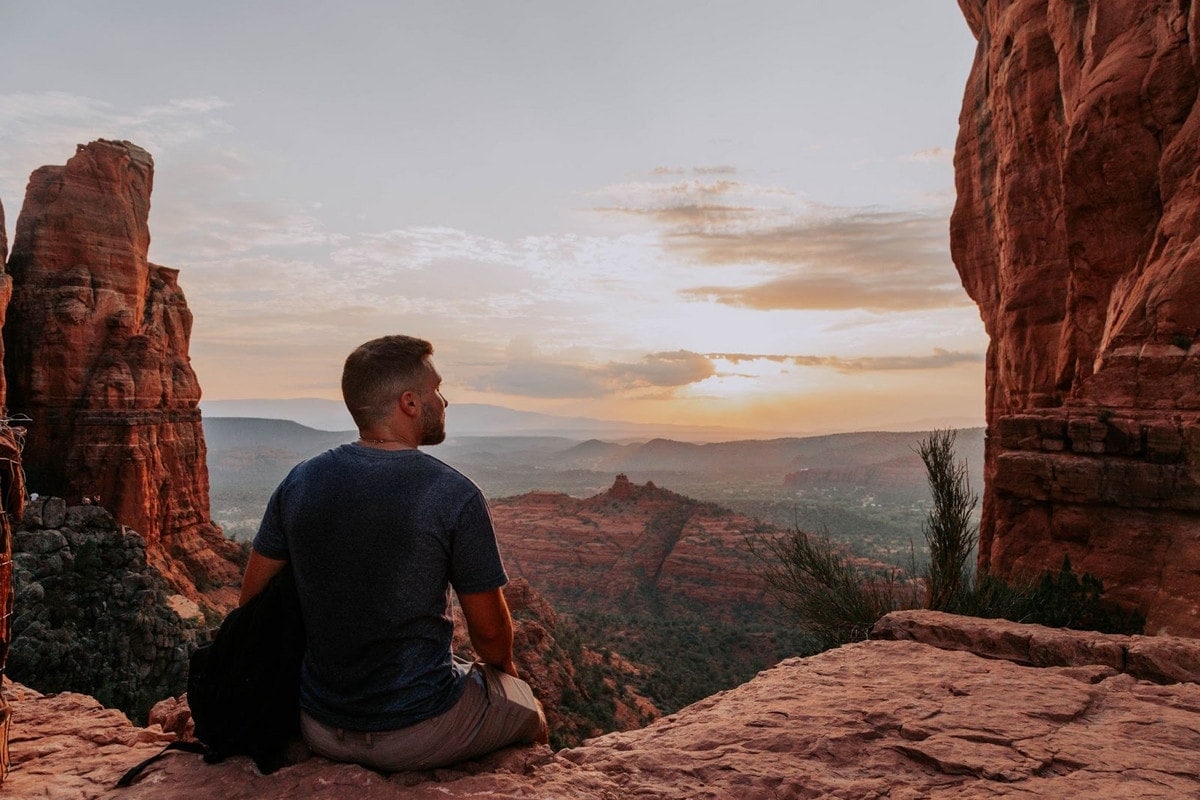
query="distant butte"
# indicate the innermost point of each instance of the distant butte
(629, 540)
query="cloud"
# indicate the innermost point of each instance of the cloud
(833, 293)
(933, 155)
(677, 368)
(43, 128)
(720, 169)
(877, 260)
(27, 112)
(939, 359)
(414, 248)
(541, 379)
(529, 375)
(199, 229)
(652, 199)
(793, 254)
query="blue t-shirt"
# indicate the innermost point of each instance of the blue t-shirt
(376, 539)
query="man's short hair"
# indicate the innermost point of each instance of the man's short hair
(379, 371)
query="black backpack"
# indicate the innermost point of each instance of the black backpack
(244, 687)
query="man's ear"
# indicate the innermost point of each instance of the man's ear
(410, 404)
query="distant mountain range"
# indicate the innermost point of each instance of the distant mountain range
(866, 485)
(285, 442)
(465, 419)
(480, 419)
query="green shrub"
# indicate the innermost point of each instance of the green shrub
(1063, 600)
(839, 603)
(949, 531)
(835, 601)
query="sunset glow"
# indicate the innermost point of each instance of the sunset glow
(729, 214)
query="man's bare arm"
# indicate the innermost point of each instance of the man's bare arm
(490, 627)
(259, 572)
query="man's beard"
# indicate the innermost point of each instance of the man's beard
(433, 426)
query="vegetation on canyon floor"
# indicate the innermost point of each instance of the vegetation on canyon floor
(687, 657)
(837, 601)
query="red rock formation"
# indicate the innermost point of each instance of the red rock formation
(97, 358)
(613, 548)
(869, 720)
(12, 499)
(5, 298)
(1078, 208)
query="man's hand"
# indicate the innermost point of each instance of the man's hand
(490, 627)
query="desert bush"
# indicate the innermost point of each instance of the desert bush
(839, 603)
(835, 601)
(949, 531)
(1063, 599)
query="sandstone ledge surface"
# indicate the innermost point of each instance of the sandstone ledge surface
(896, 719)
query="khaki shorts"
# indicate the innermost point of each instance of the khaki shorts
(495, 710)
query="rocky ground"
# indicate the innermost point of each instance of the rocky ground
(1041, 713)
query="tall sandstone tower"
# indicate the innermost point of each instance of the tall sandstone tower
(96, 356)
(12, 499)
(1076, 231)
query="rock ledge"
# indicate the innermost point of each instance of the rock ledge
(896, 719)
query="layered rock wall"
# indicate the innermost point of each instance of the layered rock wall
(1078, 208)
(97, 358)
(12, 495)
(5, 297)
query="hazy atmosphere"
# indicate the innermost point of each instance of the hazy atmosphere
(726, 214)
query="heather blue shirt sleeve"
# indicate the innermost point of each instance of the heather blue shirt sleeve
(270, 541)
(475, 564)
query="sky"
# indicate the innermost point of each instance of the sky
(705, 213)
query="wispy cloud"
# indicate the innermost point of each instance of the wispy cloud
(529, 374)
(44, 127)
(414, 248)
(795, 254)
(718, 169)
(534, 376)
(198, 230)
(933, 155)
(199, 215)
(939, 359)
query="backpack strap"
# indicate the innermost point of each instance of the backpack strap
(187, 747)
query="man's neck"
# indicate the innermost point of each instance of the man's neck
(367, 439)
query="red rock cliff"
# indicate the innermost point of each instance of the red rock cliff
(12, 489)
(1078, 208)
(97, 358)
(5, 298)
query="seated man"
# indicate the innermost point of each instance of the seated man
(377, 532)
